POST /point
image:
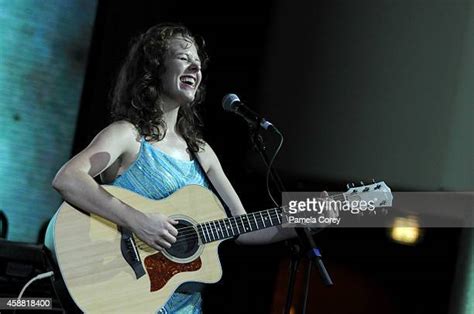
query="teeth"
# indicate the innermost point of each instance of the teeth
(188, 80)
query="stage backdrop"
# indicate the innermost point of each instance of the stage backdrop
(43, 54)
(374, 89)
(377, 89)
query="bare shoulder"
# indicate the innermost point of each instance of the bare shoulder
(109, 146)
(208, 158)
(207, 149)
(121, 130)
(118, 135)
(114, 149)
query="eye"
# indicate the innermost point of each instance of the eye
(189, 59)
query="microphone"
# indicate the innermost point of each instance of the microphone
(232, 103)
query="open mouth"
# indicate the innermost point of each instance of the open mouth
(188, 80)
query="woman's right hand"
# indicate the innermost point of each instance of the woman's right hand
(156, 230)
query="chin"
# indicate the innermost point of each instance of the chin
(188, 98)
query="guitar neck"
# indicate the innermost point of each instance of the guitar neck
(378, 193)
(233, 226)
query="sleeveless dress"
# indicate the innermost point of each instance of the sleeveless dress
(155, 174)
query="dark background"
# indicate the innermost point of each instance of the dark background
(372, 274)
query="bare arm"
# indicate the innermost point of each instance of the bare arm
(75, 182)
(223, 186)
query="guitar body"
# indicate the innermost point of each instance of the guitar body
(89, 251)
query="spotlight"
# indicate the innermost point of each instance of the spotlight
(406, 230)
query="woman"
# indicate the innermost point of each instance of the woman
(154, 146)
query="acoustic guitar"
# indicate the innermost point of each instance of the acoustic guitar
(108, 269)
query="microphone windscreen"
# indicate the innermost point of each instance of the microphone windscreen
(230, 102)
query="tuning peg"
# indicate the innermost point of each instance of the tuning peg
(373, 180)
(353, 184)
(348, 186)
(362, 183)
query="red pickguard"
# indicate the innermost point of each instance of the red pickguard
(160, 269)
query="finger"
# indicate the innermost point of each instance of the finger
(173, 221)
(157, 247)
(169, 238)
(172, 230)
(165, 244)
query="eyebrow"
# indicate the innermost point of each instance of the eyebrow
(188, 55)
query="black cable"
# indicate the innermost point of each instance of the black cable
(269, 166)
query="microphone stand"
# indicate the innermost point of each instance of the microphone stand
(306, 241)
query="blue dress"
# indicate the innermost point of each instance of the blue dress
(155, 174)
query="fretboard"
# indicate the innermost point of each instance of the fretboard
(233, 226)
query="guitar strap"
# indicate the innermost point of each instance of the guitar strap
(211, 186)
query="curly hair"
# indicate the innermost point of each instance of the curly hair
(137, 90)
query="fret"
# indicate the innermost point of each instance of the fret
(256, 224)
(268, 213)
(243, 226)
(237, 225)
(248, 222)
(209, 232)
(263, 221)
(226, 227)
(278, 216)
(222, 229)
(216, 229)
(213, 230)
(212, 227)
(231, 227)
(201, 234)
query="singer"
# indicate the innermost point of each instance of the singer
(154, 147)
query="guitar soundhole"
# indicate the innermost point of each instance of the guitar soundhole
(186, 242)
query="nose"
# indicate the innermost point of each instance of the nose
(194, 66)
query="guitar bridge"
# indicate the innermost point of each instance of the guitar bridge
(130, 253)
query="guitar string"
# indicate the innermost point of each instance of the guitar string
(213, 232)
(193, 233)
(273, 213)
(192, 228)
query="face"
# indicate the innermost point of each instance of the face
(182, 72)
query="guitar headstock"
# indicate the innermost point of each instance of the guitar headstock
(378, 192)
